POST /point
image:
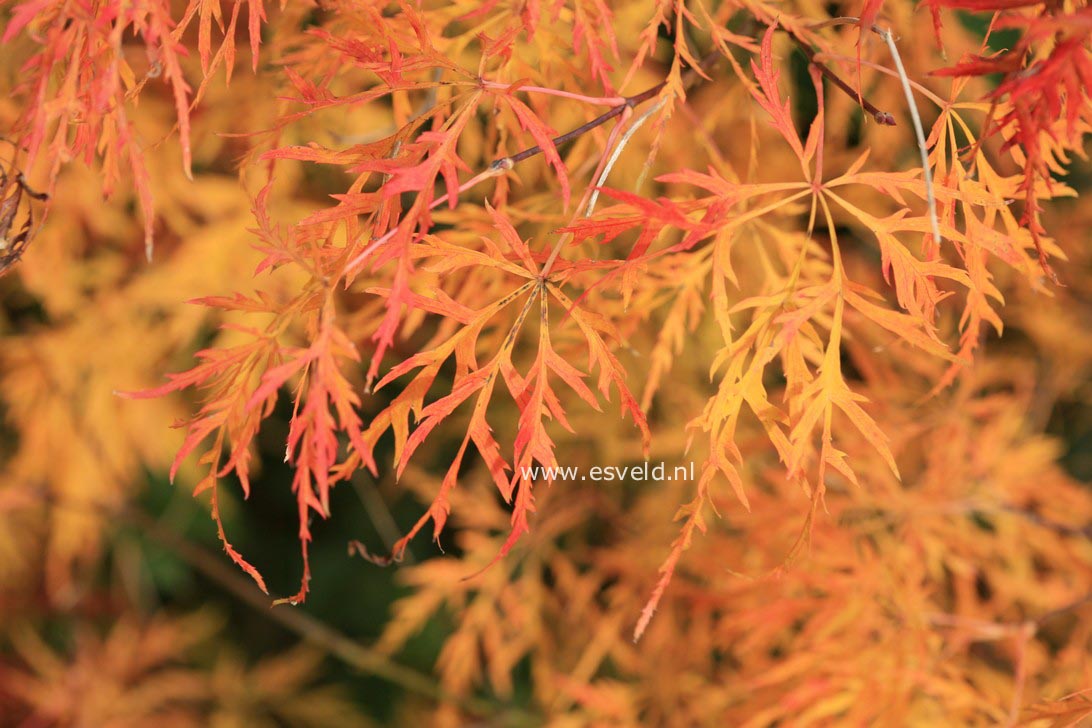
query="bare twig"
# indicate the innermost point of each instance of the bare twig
(916, 117)
(310, 629)
(900, 70)
(307, 627)
(880, 116)
(617, 152)
(501, 165)
(628, 102)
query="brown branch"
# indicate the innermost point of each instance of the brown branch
(499, 166)
(885, 118)
(629, 103)
(310, 629)
(882, 117)
(307, 627)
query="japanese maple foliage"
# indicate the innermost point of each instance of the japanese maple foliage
(491, 239)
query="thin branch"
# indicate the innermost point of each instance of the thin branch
(358, 260)
(881, 117)
(505, 163)
(617, 151)
(914, 115)
(986, 630)
(823, 55)
(628, 103)
(307, 627)
(296, 620)
(1021, 633)
(312, 630)
(926, 172)
(501, 165)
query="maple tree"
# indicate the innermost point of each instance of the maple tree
(439, 250)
